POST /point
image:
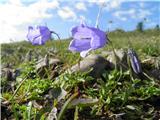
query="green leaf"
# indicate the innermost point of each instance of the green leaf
(29, 110)
(130, 107)
(108, 100)
(83, 102)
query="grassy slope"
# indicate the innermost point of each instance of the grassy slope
(146, 44)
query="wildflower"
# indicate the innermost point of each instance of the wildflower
(135, 63)
(87, 38)
(39, 35)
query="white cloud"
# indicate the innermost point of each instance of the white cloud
(114, 4)
(142, 13)
(142, 4)
(66, 13)
(16, 16)
(83, 19)
(123, 18)
(81, 6)
(151, 24)
(109, 4)
(132, 13)
(122, 14)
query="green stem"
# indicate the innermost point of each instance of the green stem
(15, 92)
(76, 113)
(29, 110)
(116, 58)
(79, 60)
(27, 91)
(64, 108)
(55, 34)
(152, 79)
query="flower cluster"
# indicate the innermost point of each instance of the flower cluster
(85, 38)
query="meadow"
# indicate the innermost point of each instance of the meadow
(117, 94)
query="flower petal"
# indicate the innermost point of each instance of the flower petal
(79, 45)
(82, 32)
(38, 41)
(85, 52)
(99, 39)
(32, 33)
(135, 63)
(77, 29)
(30, 28)
(74, 30)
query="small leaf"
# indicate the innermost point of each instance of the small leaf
(29, 110)
(83, 102)
(108, 100)
(57, 93)
(130, 107)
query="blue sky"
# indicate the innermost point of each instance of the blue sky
(61, 15)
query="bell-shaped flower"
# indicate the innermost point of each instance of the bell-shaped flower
(135, 62)
(38, 35)
(87, 38)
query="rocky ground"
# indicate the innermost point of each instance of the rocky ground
(60, 85)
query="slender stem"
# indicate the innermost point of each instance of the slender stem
(97, 20)
(76, 113)
(116, 58)
(15, 92)
(27, 90)
(99, 13)
(58, 38)
(66, 104)
(29, 110)
(148, 76)
(79, 65)
(55, 34)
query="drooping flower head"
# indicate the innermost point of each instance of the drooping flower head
(87, 38)
(39, 35)
(134, 60)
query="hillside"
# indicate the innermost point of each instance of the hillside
(32, 90)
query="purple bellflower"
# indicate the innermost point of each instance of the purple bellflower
(39, 35)
(87, 38)
(135, 63)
